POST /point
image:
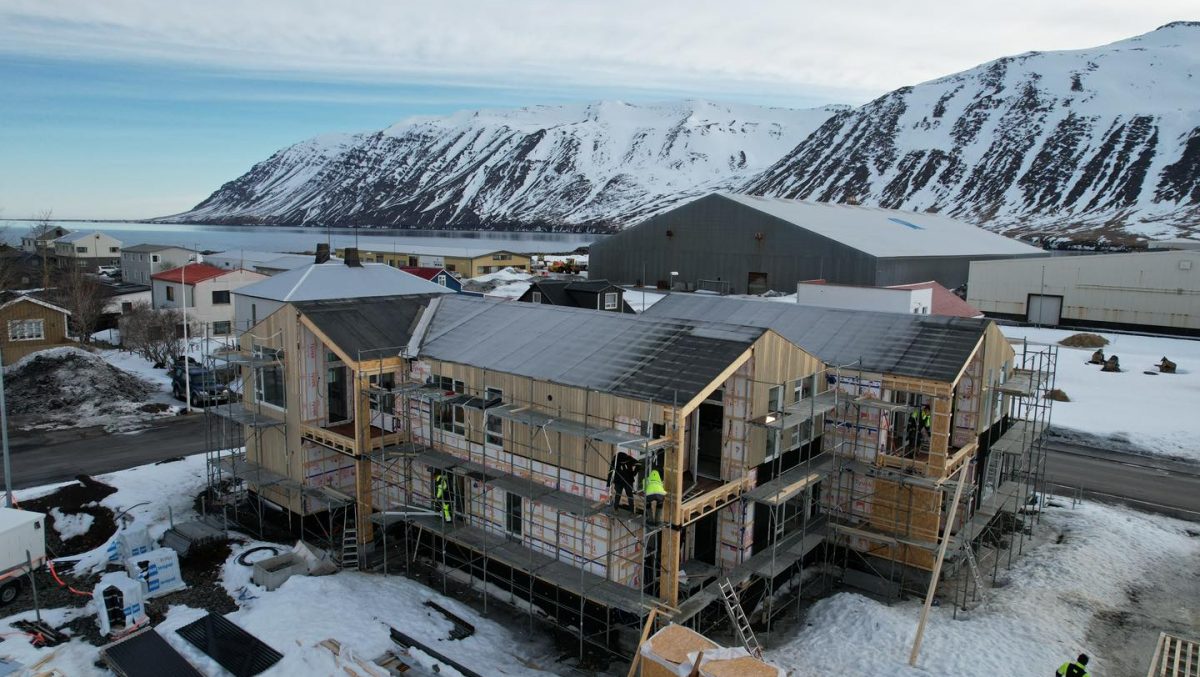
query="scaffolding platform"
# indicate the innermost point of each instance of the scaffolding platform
(241, 359)
(792, 482)
(538, 565)
(988, 509)
(799, 412)
(243, 416)
(1018, 438)
(620, 438)
(237, 466)
(563, 501)
(1022, 383)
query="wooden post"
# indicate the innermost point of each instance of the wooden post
(937, 566)
(362, 460)
(668, 582)
(637, 652)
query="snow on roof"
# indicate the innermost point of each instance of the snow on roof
(461, 252)
(945, 302)
(887, 233)
(190, 274)
(335, 280)
(76, 237)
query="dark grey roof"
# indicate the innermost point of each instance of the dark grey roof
(371, 327)
(148, 248)
(663, 360)
(922, 346)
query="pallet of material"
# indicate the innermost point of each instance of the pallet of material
(742, 666)
(665, 654)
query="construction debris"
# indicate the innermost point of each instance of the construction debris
(1166, 366)
(236, 650)
(1113, 363)
(461, 630)
(408, 642)
(146, 654)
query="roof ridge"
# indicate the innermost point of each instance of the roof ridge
(296, 287)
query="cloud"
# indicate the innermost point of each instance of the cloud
(856, 49)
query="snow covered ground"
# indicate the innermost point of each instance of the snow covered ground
(1130, 410)
(1061, 600)
(354, 608)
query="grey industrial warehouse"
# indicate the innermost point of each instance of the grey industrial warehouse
(1155, 290)
(746, 245)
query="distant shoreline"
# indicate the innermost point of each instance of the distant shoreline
(576, 229)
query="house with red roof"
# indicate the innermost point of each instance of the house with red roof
(207, 292)
(436, 275)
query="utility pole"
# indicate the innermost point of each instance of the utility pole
(187, 365)
(8, 497)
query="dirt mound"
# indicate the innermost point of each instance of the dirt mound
(75, 499)
(69, 387)
(1084, 340)
(1057, 395)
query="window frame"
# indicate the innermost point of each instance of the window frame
(614, 298)
(279, 383)
(536, 297)
(514, 513)
(493, 436)
(170, 292)
(218, 325)
(228, 297)
(18, 330)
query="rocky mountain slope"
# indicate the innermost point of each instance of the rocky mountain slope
(575, 166)
(1102, 141)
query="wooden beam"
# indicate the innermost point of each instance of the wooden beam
(967, 363)
(637, 652)
(937, 569)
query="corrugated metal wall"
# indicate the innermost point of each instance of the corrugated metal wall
(716, 238)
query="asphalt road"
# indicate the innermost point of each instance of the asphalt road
(47, 457)
(1144, 482)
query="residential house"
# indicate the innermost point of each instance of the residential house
(776, 427)
(466, 262)
(206, 290)
(437, 275)
(334, 279)
(593, 294)
(141, 261)
(87, 250)
(30, 323)
(40, 238)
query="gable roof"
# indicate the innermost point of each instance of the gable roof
(887, 233)
(190, 274)
(149, 248)
(375, 325)
(39, 232)
(423, 272)
(660, 359)
(9, 298)
(81, 235)
(945, 302)
(570, 293)
(335, 280)
(921, 346)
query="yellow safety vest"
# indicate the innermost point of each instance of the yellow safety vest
(654, 484)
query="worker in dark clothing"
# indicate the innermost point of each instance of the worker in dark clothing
(442, 496)
(622, 477)
(1075, 668)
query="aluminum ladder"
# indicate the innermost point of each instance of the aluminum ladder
(974, 567)
(349, 558)
(737, 616)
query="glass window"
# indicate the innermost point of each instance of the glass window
(220, 297)
(450, 417)
(513, 514)
(495, 424)
(114, 250)
(774, 398)
(610, 300)
(153, 258)
(170, 293)
(441, 279)
(221, 328)
(383, 402)
(26, 330)
(268, 381)
(802, 389)
(537, 297)
(81, 250)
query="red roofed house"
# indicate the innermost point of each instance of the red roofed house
(434, 274)
(209, 292)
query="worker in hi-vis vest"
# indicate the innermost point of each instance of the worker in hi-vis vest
(442, 494)
(656, 493)
(918, 425)
(1075, 668)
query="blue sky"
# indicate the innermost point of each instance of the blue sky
(137, 108)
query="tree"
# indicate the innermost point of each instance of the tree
(153, 334)
(85, 297)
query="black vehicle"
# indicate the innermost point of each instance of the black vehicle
(206, 386)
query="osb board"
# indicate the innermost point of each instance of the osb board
(674, 642)
(746, 666)
(906, 510)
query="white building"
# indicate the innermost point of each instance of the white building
(1155, 290)
(88, 250)
(141, 261)
(882, 299)
(41, 238)
(267, 263)
(321, 281)
(1175, 243)
(209, 293)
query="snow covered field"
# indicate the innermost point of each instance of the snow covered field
(1130, 410)
(354, 608)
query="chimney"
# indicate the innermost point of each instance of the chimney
(322, 252)
(351, 257)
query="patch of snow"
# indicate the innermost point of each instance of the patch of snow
(503, 275)
(639, 299)
(71, 525)
(1135, 411)
(1029, 627)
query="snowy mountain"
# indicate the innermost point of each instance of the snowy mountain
(596, 165)
(1102, 141)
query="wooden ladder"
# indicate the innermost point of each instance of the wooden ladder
(349, 558)
(741, 624)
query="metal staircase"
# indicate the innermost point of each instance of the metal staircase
(741, 624)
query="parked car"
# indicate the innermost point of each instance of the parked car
(205, 385)
(109, 271)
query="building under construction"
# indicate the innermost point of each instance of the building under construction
(801, 448)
